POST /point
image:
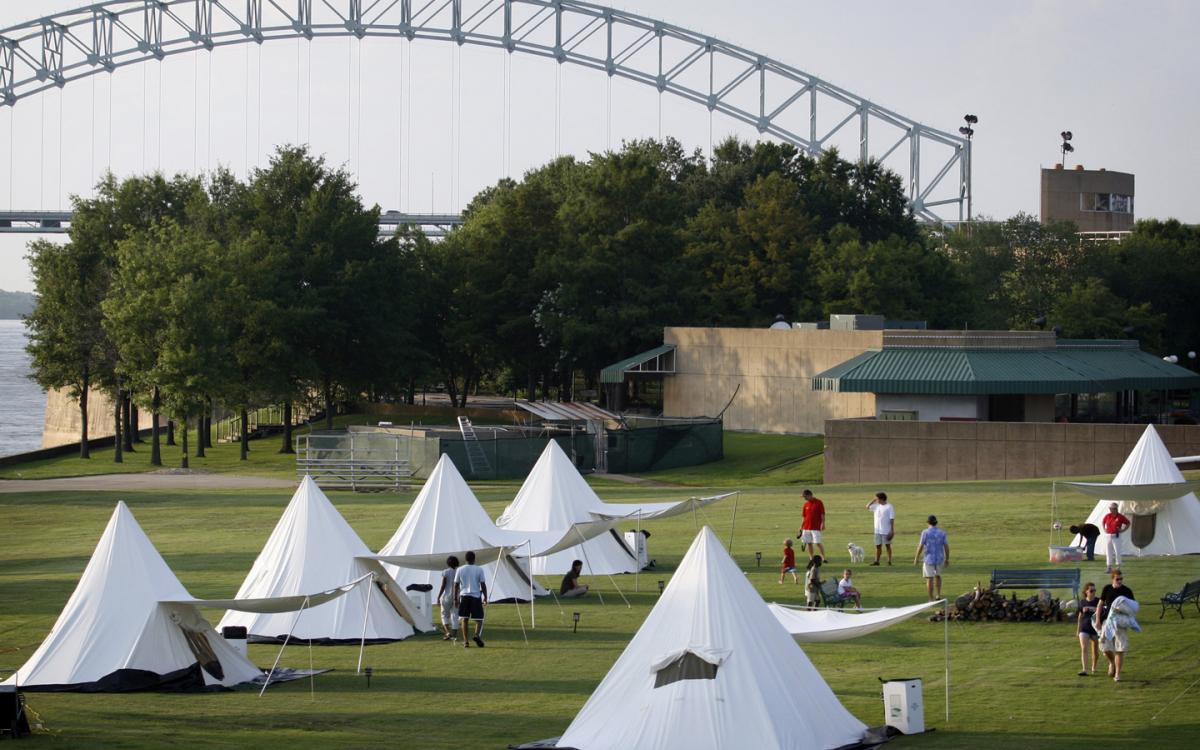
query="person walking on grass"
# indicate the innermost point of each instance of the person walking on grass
(936, 547)
(813, 524)
(788, 563)
(1114, 639)
(1089, 639)
(446, 599)
(1114, 523)
(885, 524)
(470, 591)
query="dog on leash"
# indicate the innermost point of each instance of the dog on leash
(856, 552)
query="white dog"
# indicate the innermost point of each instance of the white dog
(856, 552)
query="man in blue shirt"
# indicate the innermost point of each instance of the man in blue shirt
(937, 556)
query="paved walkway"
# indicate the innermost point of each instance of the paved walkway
(166, 480)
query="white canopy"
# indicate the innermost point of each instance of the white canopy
(131, 625)
(446, 519)
(555, 495)
(710, 668)
(278, 603)
(1149, 489)
(312, 548)
(824, 625)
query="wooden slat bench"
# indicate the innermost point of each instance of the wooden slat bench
(1189, 593)
(1056, 578)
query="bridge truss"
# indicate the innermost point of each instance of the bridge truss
(779, 100)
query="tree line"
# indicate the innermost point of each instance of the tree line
(199, 290)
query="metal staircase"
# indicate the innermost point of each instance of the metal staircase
(475, 455)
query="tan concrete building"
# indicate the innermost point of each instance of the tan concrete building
(1097, 200)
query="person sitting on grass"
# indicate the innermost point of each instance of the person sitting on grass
(571, 587)
(846, 589)
(788, 563)
(812, 583)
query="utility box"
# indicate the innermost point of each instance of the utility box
(636, 540)
(904, 705)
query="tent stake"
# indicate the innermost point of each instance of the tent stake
(279, 656)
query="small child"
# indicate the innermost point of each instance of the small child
(446, 599)
(788, 563)
(846, 588)
(812, 583)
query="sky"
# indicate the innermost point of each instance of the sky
(423, 126)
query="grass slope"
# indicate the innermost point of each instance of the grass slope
(1011, 684)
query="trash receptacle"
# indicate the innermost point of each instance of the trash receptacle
(903, 705)
(236, 635)
(419, 593)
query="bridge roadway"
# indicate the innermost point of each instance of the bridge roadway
(58, 222)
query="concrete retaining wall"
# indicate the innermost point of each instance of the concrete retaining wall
(866, 450)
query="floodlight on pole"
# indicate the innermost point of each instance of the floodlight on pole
(969, 131)
(1066, 147)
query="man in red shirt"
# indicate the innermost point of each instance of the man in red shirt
(813, 524)
(1113, 524)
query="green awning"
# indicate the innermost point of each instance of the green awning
(660, 361)
(1074, 367)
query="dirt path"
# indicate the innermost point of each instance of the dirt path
(147, 481)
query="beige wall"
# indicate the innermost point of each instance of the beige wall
(774, 369)
(866, 450)
(62, 418)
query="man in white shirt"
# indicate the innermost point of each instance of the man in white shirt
(470, 591)
(885, 524)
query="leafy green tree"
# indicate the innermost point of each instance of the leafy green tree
(67, 345)
(1090, 310)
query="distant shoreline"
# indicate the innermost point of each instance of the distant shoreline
(14, 305)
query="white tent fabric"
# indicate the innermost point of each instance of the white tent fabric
(825, 625)
(1177, 525)
(764, 692)
(447, 519)
(120, 630)
(312, 548)
(555, 495)
(1138, 493)
(278, 603)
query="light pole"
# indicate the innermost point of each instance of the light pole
(1066, 147)
(969, 131)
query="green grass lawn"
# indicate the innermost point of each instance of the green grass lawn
(754, 461)
(1011, 684)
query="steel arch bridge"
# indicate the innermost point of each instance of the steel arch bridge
(777, 99)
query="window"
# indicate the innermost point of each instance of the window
(1108, 202)
(688, 666)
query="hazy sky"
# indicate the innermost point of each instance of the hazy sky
(1117, 74)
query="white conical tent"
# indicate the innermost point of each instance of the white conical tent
(1149, 484)
(118, 632)
(447, 519)
(711, 668)
(554, 496)
(312, 549)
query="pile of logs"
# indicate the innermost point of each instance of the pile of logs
(989, 605)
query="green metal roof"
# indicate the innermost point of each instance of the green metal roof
(1075, 367)
(616, 373)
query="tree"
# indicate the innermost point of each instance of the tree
(1090, 310)
(67, 345)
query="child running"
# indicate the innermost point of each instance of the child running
(846, 589)
(788, 563)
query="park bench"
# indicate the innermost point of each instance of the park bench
(830, 596)
(1057, 578)
(1189, 593)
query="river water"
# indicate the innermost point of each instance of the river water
(22, 401)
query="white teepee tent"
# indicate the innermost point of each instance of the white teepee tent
(711, 668)
(1152, 492)
(447, 519)
(129, 626)
(554, 496)
(313, 548)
